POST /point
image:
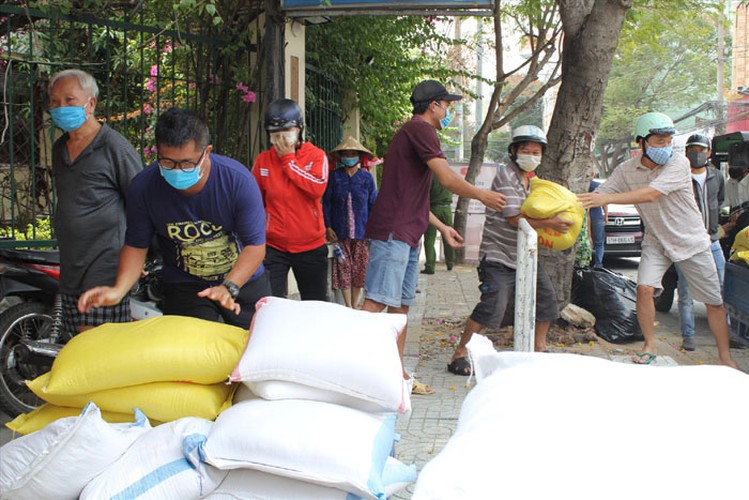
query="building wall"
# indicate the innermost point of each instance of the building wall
(294, 62)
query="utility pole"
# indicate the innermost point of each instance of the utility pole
(479, 70)
(273, 51)
(720, 109)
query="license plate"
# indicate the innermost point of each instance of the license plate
(619, 240)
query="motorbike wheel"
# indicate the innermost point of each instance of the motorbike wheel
(31, 321)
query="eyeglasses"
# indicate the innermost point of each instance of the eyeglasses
(184, 165)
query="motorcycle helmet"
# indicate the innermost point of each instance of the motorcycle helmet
(653, 123)
(527, 133)
(283, 114)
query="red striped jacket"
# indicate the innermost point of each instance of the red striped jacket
(292, 187)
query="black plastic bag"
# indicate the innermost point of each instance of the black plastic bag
(612, 299)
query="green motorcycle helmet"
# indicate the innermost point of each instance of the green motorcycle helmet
(653, 123)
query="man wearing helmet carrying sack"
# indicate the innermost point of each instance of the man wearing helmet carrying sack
(401, 213)
(658, 183)
(709, 192)
(292, 176)
(498, 252)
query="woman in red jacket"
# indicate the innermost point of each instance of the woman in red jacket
(292, 176)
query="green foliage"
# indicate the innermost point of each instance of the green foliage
(41, 230)
(141, 72)
(666, 60)
(381, 58)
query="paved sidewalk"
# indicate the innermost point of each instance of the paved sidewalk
(451, 296)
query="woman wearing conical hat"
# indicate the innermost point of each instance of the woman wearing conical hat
(348, 199)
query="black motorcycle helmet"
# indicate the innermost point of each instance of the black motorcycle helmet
(699, 140)
(283, 114)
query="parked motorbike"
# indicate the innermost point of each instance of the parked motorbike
(31, 327)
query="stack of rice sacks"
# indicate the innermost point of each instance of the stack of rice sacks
(86, 457)
(169, 367)
(314, 417)
(326, 384)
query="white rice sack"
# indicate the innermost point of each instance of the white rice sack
(157, 467)
(310, 441)
(324, 352)
(59, 460)
(584, 422)
(252, 484)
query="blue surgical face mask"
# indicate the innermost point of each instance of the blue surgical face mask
(349, 162)
(179, 179)
(659, 156)
(69, 117)
(446, 120)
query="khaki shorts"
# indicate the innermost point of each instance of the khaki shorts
(700, 271)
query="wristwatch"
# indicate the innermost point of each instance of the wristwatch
(232, 288)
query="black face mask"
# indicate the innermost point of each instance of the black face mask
(697, 159)
(736, 172)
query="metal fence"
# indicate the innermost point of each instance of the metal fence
(141, 69)
(324, 114)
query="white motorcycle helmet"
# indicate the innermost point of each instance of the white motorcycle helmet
(527, 133)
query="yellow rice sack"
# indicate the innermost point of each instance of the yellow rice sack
(740, 246)
(163, 401)
(38, 419)
(548, 199)
(161, 349)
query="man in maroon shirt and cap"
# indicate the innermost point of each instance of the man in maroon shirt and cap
(401, 213)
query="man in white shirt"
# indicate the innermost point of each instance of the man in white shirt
(658, 183)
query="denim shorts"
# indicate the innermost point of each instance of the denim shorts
(392, 273)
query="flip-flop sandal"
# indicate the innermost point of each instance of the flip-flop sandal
(460, 366)
(422, 389)
(643, 358)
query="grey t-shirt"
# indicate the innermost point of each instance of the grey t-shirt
(500, 239)
(90, 217)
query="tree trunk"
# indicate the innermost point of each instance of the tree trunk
(591, 30)
(546, 34)
(479, 144)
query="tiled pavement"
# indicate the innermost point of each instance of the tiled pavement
(452, 295)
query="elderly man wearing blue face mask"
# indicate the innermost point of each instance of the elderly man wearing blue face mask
(207, 213)
(93, 166)
(659, 183)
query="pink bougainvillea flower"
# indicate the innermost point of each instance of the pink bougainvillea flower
(150, 84)
(241, 86)
(154, 70)
(147, 109)
(249, 96)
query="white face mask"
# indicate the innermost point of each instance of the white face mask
(291, 136)
(529, 163)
